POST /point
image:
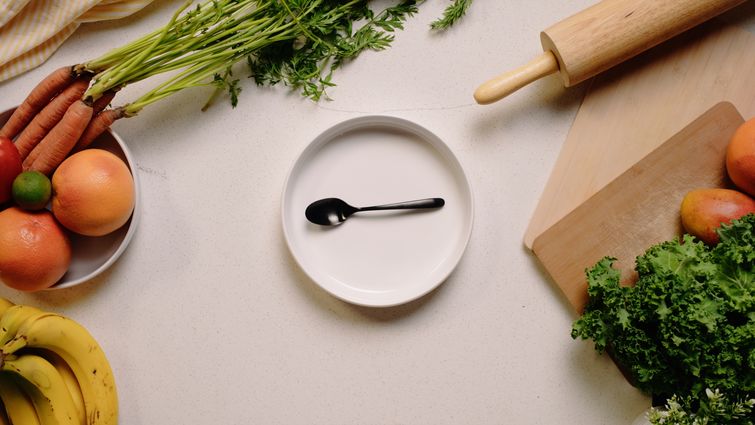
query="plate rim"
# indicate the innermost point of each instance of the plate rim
(389, 122)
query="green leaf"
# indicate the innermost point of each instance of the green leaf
(689, 322)
(452, 14)
(296, 42)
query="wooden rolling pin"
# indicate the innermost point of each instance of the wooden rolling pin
(602, 36)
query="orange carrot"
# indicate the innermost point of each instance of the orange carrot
(97, 126)
(37, 99)
(103, 101)
(56, 145)
(49, 116)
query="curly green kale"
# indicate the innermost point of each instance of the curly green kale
(689, 322)
(716, 408)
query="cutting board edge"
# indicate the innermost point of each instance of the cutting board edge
(530, 232)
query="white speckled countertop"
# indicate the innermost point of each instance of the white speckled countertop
(206, 318)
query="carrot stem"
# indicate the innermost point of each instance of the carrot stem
(203, 44)
(216, 34)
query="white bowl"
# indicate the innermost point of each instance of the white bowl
(374, 259)
(93, 255)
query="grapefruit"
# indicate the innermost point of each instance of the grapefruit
(92, 192)
(34, 250)
(740, 157)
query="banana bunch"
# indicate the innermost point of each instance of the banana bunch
(52, 372)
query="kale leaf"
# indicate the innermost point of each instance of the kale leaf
(716, 408)
(688, 324)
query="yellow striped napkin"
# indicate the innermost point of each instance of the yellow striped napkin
(31, 30)
(9, 9)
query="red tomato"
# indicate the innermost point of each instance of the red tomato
(10, 167)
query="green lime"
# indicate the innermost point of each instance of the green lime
(31, 190)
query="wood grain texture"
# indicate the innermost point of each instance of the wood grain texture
(640, 207)
(631, 109)
(613, 31)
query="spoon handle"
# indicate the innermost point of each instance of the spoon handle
(408, 205)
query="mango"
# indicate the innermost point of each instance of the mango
(740, 157)
(704, 210)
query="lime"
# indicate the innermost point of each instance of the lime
(31, 190)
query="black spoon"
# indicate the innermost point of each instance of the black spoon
(330, 211)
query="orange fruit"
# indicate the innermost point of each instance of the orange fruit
(740, 157)
(92, 192)
(704, 210)
(34, 250)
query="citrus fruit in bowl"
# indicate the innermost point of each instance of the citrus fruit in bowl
(36, 250)
(31, 190)
(93, 192)
(98, 232)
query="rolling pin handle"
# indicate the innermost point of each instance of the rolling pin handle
(509, 82)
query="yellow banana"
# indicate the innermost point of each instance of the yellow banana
(17, 404)
(5, 304)
(73, 343)
(71, 383)
(13, 318)
(4, 417)
(45, 387)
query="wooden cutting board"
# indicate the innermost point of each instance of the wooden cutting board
(640, 207)
(631, 110)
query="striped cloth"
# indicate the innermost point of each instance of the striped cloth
(31, 30)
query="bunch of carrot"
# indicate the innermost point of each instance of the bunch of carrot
(298, 42)
(55, 120)
(68, 110)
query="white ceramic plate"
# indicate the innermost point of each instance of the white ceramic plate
(92, 256)
(378, 259)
